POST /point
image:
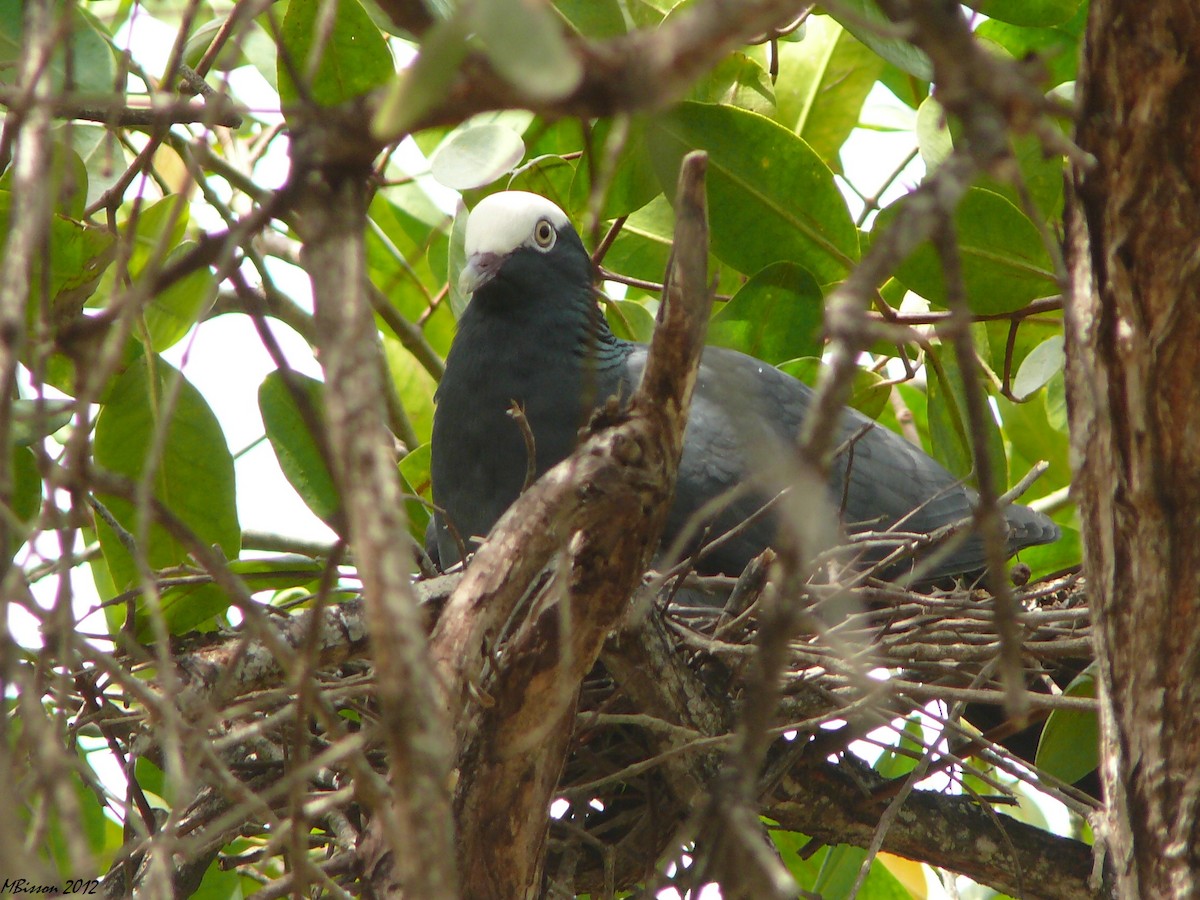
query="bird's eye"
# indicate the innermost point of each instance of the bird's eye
(544, 234)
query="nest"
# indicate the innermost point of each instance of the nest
(281, 768)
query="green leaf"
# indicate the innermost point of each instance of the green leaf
(193, 478)
(595, 19)
(643, 247)
(408, 248)
(525, 44)
(1057, 47)
(353, 60)
(770, 197)
(633, 183)
(1056, 402)
(1069, 746)
(299, 455)
(219, 883)
(1043, 363)
(90, 825)
(417, 484)
(776, 316)
(103, 157)
(157, 228)
(933, 134)
(25, 502)
(892, 764)
(476, 155)
(1004, 261)
(173, 311)
(859, 19)
(949, 426)
(631, 321)
(277, 573)
(27, 485)
(414, 386)
(457, 260)
(193, 606)
(1042, 175)
(79, 254)
(738, 80)
(832, 871)
(36, 419)
(156, 237)
(1028, 12)
(1031, 439)
(840, 870)
(908, 89)
(188, 607)
(82, 57)
(421, 86)
(823, 81)
(67, 177)
(549, 175)
(869, 391)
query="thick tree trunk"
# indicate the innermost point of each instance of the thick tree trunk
(1133, 335)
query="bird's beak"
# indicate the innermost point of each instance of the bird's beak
(479, 270)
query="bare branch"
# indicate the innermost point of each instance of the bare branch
(416, 825)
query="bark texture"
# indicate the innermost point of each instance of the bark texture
(1133, 343)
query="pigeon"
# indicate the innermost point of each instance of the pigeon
(534, 339)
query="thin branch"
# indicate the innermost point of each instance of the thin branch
(415, 826)
(113, 109)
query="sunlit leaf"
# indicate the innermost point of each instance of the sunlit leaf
(1005, 263)
(1028, 12)
(823, 81)
(1056, 402)
(770, 197)
(25, 502)
(738, 80)
(476, 155)
(643, 247)
(550, 176)
(193, 478)
(933, 134)
(595, 18)
(414, 386)
(861, 15)
(351, 61)
(633, 183)
(1057, 47)
(895, 762)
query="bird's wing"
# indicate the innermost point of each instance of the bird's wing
(745, 413)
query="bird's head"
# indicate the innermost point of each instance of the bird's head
(522, 240)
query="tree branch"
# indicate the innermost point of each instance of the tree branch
(416, 826)
(514, 747)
